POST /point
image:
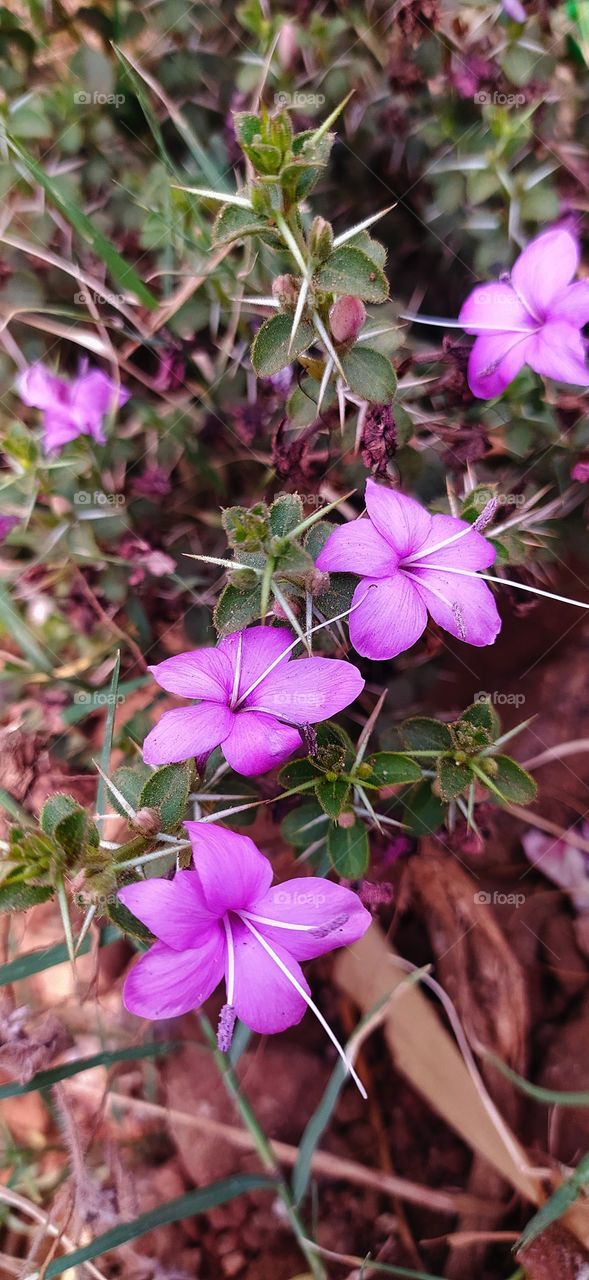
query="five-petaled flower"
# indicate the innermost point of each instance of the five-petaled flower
(225, 920)
(418, 564)
(71, 409)
(252, 700)
(532, 317)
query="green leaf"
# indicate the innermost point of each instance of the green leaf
(304, 825)
(74, 832)
(56, 808)
(348, 849)
(126, 922)
(297, 773)
(234, 222)
(422, 734)
(236, 609)
(167, 791)
(333, 796)
(515, 784)
(270, 351)
(483, 715)
(453, 778)
(423, 812)
(130, 780)
(350, 270)
(372, 248)
(185, 1206)
(369, 374)
(390, 767)
(18, 895)
(115, 264)
(248, 126)
(298, 179)
(286, 513)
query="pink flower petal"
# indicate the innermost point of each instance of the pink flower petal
(494, 307)
(231, 870)
(200, 673)
(354, 546)
(165, 983)
(308, 690)
(260, 646)
(187, 732)
(471, 551)
(470, 613)
(495, 360)
(572, 304)
(264, 998)
(94, 394)
(544, 268)
(390, 619)
(175, 910)
(558, 351)
(58, 429)
(259, 742)
(42, 389)
(335, 914)
(515, 10)
(402, 521)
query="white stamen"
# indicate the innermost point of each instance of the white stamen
(319, 627)
(450, 604)
(466, 325)
(230, 979)
(486, 515)
(308, 1000)
(507, 582)
(317, 930)
(237, 671)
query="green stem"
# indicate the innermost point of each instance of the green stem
(263, 1148)
(266, 585)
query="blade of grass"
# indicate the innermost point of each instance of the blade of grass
(195, 147)
(171, 1211)
(22, 634)
(38, 961)
(552, 1097)
(44, 1079)
(557, 1205)
(108, 732)
(120, 270)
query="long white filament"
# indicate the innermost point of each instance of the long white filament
(308, 1000)
(281, 656)
(507, 582)
(230, 979)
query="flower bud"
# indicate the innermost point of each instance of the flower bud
(346, 318)
(286, 291)
(320, 239)
(148, 822)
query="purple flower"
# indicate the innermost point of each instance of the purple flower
(514, 10)
(71, 409)
(252, 697)
(224, 921)
(561, 862)
(7, 523)
(419, 564)
(534, 317)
